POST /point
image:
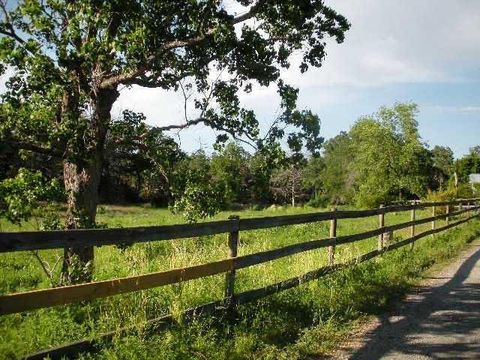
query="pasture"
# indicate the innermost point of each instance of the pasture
(298, 323)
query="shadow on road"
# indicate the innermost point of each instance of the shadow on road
(439, 322)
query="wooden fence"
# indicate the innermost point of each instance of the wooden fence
(25, 301)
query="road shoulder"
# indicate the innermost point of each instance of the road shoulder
(439, 318)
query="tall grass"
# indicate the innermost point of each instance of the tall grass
(295, 324)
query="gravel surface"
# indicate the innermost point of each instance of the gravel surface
(440, 320)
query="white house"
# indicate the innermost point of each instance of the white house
(474, 180)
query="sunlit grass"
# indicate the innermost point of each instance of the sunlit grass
(24, 333)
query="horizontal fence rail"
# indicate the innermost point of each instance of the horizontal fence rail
(44, 298)
(71, 294)
(41, 240)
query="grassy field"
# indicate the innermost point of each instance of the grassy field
(298, 323)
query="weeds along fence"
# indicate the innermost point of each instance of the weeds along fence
(43, 298)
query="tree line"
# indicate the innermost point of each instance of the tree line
(381, 159)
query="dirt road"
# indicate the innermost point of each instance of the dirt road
(440, 320)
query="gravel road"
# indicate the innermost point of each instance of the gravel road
(440, 320)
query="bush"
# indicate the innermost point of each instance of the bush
(464, 191)
(319, 201)
(440, 195)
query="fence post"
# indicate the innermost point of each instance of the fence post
(412, 228)
(232, 253)
(447, 218)
(381, 225)
(433, 215)
(333, 235)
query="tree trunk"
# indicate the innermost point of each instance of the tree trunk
(81, 186)
(293, 194)
(82, 180)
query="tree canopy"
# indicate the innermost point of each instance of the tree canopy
(390, 159)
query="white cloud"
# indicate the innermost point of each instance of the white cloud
(400, 42)
(455, 109)
(3, 79)
(390, 42)
(161, 107)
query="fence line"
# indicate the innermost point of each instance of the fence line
(41, 240)
(161, 323)
(25, 301)
(64, 295)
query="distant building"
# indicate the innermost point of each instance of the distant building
(475, 181)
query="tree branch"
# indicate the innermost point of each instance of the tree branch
(11, 33)
(141, 70)
(182, 126)
(235, 137)
(154, 83)
(250, 13)
(35, 148)
(8, 24)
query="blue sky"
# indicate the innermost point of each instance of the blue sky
(424, 51)
(449, 114)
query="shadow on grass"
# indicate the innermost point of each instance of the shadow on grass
(280, 322)
(371, 288)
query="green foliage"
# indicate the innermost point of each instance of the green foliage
(338, 177)
(198, 201)
(230, 166)
(139, 160)
(443, 165)
(476, 190)
(319, 201)
(441, 195)
(469, 164)
(389, 157)
(20, 196)
(311, 177)
(308, 135)
(197, 195)
(263, 165)
(463, 191)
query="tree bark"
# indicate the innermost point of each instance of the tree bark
(293, 193)
(82, 179)
(81, 186)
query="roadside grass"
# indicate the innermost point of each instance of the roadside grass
(300, 323)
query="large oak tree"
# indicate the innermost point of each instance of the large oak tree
(68, 60)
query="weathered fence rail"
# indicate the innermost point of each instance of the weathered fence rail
(25, 301)
(41, 240)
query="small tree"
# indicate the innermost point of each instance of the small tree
(389, 157)
(197, 193)
(442, 164)
(311, 177)
(339, 176)
(230, 167)
(287, 184)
